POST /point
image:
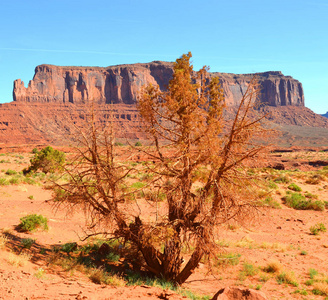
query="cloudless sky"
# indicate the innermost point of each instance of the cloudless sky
(235, 36)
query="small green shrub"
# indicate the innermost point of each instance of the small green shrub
(272, 185)
(39, 175)
(296, 200)
(190, 295)
(39, 273)
(299, 202)
(301, 292)
(312, 273)
(317, 228)
(264, 277)
(29, 180)
(282, 179)
(135, 278)
(69, 247)
(310, 196)
(242, 276)
(15, 180)
(251, 171)
(288, 278)
(27, 243)
(270, 202)
(59, 194)
(309, 282)
(88, 248)
(138, 144)
(113, 257)
(10, 172)
(138, 185)
(4, 181)
(33, 222)
(3, 161)
(294, 187)
(249, 269)
(317, 205)
(48, 160)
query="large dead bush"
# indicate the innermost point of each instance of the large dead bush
(195, 170)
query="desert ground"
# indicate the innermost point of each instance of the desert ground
(283, 252)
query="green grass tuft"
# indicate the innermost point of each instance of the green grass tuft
(299, 202)
(33, 222)
(294, 187)
(317, 228)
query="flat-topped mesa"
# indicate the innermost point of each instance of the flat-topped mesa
(116, 84)
(121, 84)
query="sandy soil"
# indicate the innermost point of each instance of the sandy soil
(277, 235)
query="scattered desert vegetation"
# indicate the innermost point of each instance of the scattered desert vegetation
(192, 202)
(235, 262)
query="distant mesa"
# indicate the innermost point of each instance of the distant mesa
(325, 115)
(56, 102)
(120, 84)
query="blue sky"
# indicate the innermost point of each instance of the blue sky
(229, 36)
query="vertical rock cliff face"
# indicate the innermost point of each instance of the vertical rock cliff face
(120, 84)
(276, 89)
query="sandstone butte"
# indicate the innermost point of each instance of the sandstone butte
(59, 97)
(120, 84)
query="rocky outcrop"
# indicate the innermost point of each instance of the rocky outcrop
(237, 293)
(54, 123)
(120, 84)
(117, 84)
(276, 89)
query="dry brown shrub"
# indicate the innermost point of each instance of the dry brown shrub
(196, 158)
(321, 287)
(19, 260)
(3, 241)
(273, 267)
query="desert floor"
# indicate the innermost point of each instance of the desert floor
(278, 236)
